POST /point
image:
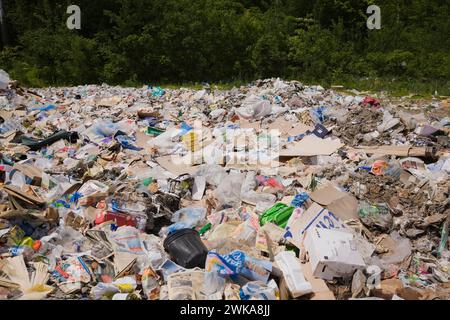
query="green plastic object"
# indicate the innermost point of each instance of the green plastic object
(278, 214)
(154, 131)
(205, 228)
(146, 182)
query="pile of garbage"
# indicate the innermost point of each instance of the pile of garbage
(270, 191)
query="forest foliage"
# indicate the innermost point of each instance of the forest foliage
(179, 41)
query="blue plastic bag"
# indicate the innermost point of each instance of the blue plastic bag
(158, 92)
(126, 142)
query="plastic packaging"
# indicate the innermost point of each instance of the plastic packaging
(105, 128)
(213, 173)
(126, 284)
(318, 115)
(253, 107)
(389, 122)
(250, 196)
(258, 290)
(157, 92)
(402, 251)
(104, 291)
(278, 214)
(186, 218)
(229, 190)
(36, 145)
(18, 179)
(225, 265)
(300, 199)
(375, 215)
(150, 284)
(213, 286)
(127, 143)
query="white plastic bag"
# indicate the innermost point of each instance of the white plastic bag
(4, 80)
(255, 108)
(229, 190)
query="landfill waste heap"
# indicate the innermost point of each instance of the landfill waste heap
(274, 190)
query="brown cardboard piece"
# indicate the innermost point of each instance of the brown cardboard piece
(319, 286)
(252, 166)
(345, 208)
(30, 171)
(109, 102)
(245, 124)
(342, 204)
(288, 128)
(6, 115)
(327, 194)
(388, 288)
(6, 138)
(400, 151)
(412, 293)
(311, 146)
(179, 168)
(123, 263)
(142, 139)
(15, 192)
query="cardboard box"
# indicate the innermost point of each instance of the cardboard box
(319, 287)
(316, 217)
(332, 253)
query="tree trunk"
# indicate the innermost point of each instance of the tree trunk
(3, 34)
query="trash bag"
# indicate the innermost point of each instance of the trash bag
(377, 216)
(127, 143)
(249, 195)
(254, 108)
(258, 290)
(186, 218)
(229, 190)
(104, 291)
(213, 286)
(105, 128)
(401, 252)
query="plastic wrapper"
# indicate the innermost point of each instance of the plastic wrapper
(401, 252)
(229, 190)
(105, 128)
(213, 286)
(249, 195)
(213, 173)
(126, 239)
(104, 291)
(150, 284)
(186, 218)
(238, 263)
(375, 215)
(257, 290)
(254, 108)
